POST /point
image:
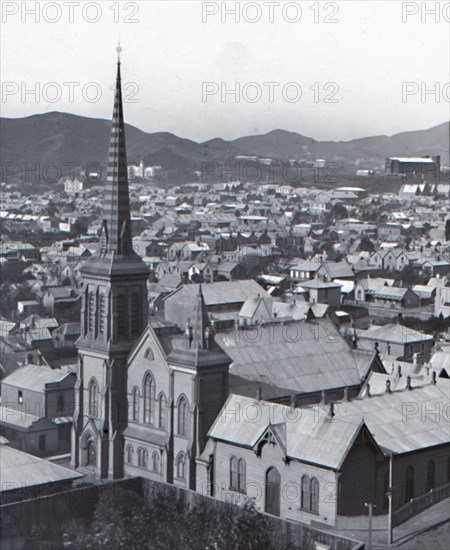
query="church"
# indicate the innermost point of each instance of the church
(145, 395)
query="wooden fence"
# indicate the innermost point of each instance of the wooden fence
(418, 504)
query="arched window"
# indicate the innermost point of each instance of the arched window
(409, 483)
(149, 355)
(181, 466)
(242, 475)
(135, 323)
(122, 317)
(314, 506)
(182, 416)
(155, 462)
(142, 457)
(135, 405)
(162, 411)
(430, 475)
(130, 454)
(149, 399)
(305, 493)
(234, 473)
(93, 398)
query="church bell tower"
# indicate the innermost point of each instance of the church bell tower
(113, 316)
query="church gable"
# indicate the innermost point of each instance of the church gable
(148, 359)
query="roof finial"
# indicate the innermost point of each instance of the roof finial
(119, 51)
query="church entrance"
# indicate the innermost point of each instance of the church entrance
(89, 451)
(273, 482)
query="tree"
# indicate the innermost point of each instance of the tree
(366, 245)
(124, 519)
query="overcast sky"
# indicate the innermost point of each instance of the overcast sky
(171, 49)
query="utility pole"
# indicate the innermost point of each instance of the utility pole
(371, 507)
(390, 499)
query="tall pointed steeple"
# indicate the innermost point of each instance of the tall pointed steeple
(114, 314)
(116, 229)
(201, 330)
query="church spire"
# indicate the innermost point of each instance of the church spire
(201, 330)
(116, 229)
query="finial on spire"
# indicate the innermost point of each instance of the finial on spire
(119, 51)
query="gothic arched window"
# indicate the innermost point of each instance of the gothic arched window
(93, 398)
(182, 416)
(306, 493)
(155, 462)
(162, 411)
(181, 466)
(130, 454)
(314, 505)
(242, 473)
(149, 399)
(149, 355)
(233, 473)
(142, 457)
(135, 405)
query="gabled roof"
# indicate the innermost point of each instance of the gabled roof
(308, 435)
(226, 292)
(394, 333)
(35, 378)
(292, 358)
(314, 436)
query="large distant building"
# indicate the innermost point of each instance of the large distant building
(426, 167)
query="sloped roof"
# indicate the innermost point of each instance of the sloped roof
(394, 420)
(307, 437)
(296, 357)
(24, 470)
(394, 333)
(226, 292)
(34, 377)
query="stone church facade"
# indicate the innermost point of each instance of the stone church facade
(145, 397)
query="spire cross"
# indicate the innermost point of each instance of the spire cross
(119, 51)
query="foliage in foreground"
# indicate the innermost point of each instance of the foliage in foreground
(125, 520)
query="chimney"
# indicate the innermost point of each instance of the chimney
(324, 398)
(399, 371)
(433, 377)
(292, 404)
(331, 410)
(258, 393)
(408, 383)
(388, 386)
(346, 398)
(368, 390)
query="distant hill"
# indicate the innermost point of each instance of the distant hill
(65, 139)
